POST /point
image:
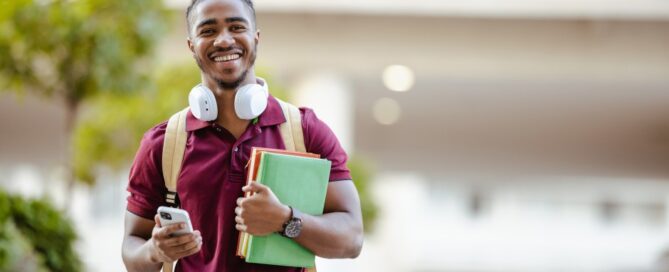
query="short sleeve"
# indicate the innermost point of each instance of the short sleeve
(319, 139)
(146, 184)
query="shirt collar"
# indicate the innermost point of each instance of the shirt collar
(273, 115)
(193, 123)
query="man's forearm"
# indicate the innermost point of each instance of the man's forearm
(136, 255)
(332, 235)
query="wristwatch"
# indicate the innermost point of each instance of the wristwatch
(293, 226)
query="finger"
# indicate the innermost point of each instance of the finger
(257, 187)
(238, 211)
(240, 227)
(240, 201)
(180, 240)
(185, 248)
(239, 220)
(157, 219)
(167, 230)
(192, 251)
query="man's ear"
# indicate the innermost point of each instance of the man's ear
(190, 45)
(257, 36)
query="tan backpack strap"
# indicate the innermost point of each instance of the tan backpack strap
(291, 130)
(173, 153)
(168, 267)
(174, 145)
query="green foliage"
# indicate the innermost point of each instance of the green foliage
(361, 172)
(76, 49)
(112, 125)
(35, 237)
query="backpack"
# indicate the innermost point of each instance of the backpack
(174, 145)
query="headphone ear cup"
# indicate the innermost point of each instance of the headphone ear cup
(264, 86)
(250, 101)
(202, 103)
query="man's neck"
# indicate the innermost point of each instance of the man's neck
(225, 100)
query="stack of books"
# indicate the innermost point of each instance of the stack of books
(297, 179)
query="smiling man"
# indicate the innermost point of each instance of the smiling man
(223, 39)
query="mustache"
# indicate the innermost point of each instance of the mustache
(225, 49)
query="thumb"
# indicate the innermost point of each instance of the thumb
(157, 219)
(255, 187)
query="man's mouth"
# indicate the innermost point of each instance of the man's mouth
(225, 58)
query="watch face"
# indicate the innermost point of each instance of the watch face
(293, 228)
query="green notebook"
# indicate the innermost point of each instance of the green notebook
(301, 183)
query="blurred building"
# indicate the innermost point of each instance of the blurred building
(523, 136)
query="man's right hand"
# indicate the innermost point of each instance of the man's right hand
(165, 248)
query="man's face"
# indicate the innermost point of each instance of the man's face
(223, 39)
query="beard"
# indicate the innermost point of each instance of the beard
(225, 85)
(234, 84)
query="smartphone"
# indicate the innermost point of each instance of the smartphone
(169, 216)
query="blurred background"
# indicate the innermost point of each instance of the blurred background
(484, 135)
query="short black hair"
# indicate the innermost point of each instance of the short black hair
(248, 3)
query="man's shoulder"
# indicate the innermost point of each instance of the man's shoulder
(310, 120)
(154, 137)
(315, 130)
(308, 115)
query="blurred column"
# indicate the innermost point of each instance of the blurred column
(329, 94)
(666, 219)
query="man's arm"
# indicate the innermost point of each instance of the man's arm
(136, 251)
(146, 244)
(337, 233)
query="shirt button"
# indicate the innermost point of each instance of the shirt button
(236, 148)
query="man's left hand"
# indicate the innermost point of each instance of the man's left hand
(261, 213)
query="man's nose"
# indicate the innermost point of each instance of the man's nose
(224, 39)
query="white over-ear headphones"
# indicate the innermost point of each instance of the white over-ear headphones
(250, 101)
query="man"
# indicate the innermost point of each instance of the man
(223, 39)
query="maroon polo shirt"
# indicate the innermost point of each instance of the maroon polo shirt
(212, 177)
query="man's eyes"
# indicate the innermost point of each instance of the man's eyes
(238, 28)
(234, 28)
(206, 31)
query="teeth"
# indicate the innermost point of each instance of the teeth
(226, 57)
